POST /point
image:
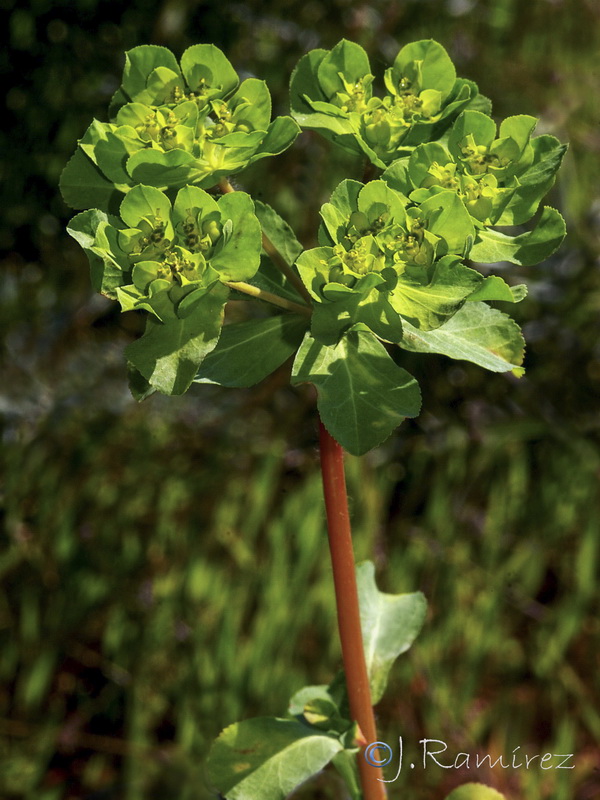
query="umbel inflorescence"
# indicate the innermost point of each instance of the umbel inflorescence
(396, 261)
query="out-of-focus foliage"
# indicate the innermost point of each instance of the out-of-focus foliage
(138, 613)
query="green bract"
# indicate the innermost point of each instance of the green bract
(159, 256)
(332, 92)
(390, 261)
(172, 261)
(499, 176)
(174, 125)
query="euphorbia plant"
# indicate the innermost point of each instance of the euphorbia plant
(395, 266)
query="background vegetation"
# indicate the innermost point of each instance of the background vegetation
(165, 565)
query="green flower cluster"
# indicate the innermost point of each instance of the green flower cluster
(173, 125)
(395, 257)
(332, 92)
(385, 261)
(500, 176)
(163, 257)
(172, 260)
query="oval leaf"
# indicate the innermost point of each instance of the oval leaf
(390, 623)
(140, 62)
(142, 202)
(249, 351)
(82, 185)
(206, 62)
(170, 169)
(239, 257)
(266, 758)
(476, 333)
(346, 58)
(362, 394)
(525, 249)
(168, 355)
(436, 67)
(430, 305)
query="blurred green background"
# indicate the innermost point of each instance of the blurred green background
(164, 566)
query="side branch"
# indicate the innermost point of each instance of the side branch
(268, 297)
(274, 254)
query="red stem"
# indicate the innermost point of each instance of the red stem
(346, 596)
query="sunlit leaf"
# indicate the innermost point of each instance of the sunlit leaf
(83, 185)
(362, 394)
(168, 354)
(155, 168)
(449, 219)
(278, 231)
(239, 256)
(140, 62)
(524, 249)
(106, 272)
(476, 333)
(249, 351)
(144, 202)
(390, 623)
(535, 182)
(495, 288)
(436, 70)
(347, 58)
(429, 304)
(206, 62)
(281, 133)
(267, 758)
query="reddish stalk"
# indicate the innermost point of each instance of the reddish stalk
(346, 596)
